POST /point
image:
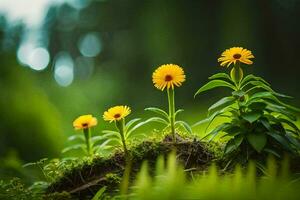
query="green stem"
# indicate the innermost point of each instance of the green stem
(128, 162)
(121, 127)
(87, 135)
(172, 112)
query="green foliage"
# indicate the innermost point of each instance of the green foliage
(99, 143)
(55, 168)
(259, 122)
(165, 119)
(128, 131)
(99, 194)
(29, 120)
(16, 190)
(169, 182)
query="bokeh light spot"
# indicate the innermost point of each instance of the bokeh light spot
(90, 45)
(39, 59)
(64, 69)
(23, 53)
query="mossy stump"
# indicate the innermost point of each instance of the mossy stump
(84, 181)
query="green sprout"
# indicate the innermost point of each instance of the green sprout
(89, 144)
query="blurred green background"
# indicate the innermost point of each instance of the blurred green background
(64, 58)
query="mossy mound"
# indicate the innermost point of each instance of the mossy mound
(84, 181)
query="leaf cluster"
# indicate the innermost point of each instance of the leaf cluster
(164, 118)
(129, 131)
(99, 143)
(259, 121)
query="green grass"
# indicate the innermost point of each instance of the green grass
(170, 182)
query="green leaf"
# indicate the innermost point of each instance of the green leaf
(252, 77)
(257, 105)
(216, 131)
(112, 133)
(101, 137)
(272, 152)
(102, 146)
(213, 84)
(283, 95)
(186, 126)
(75, 137)
(257, 140)
(158, 111)
(283, 141)
(294, 140)
(29, 164)
(73, 147)
(99, 194)
(236, 74)
(221, 75)
(269, 94)
(211, 118)
(153, 119)
(264, 94)
(289, 123)
(131, 122)
(232, 131)
(222, 102)
(178, 111)
(258, 84)
(238, 93)
(281, 110)
(251, 116)
(266, 124)
(233, 144)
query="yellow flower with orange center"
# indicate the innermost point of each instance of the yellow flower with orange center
(166, 76)
(116, 113)
(234, 55)
(84, 122)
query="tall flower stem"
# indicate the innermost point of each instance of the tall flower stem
(172, 111)
(121, 127)
(237, 76)
(87, 135)
(125, 181)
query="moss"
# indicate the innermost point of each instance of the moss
(85, 180)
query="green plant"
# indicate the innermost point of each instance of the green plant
(258, 121)
(169, 182)
(96, 145)
(124, 130)
(15, 189)
(85, 123)
(54, 168)
(100, 194)
(168, 76)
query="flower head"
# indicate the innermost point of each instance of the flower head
(166, 76)
(84, 121)
(235, 54)
(116, 113)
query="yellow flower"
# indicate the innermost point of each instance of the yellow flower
(116, 113)
(84, 121)
(167, 76)
(235, 54)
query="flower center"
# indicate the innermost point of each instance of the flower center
(168, 78)
(85, 124)
(237, 56)
(117, 115)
